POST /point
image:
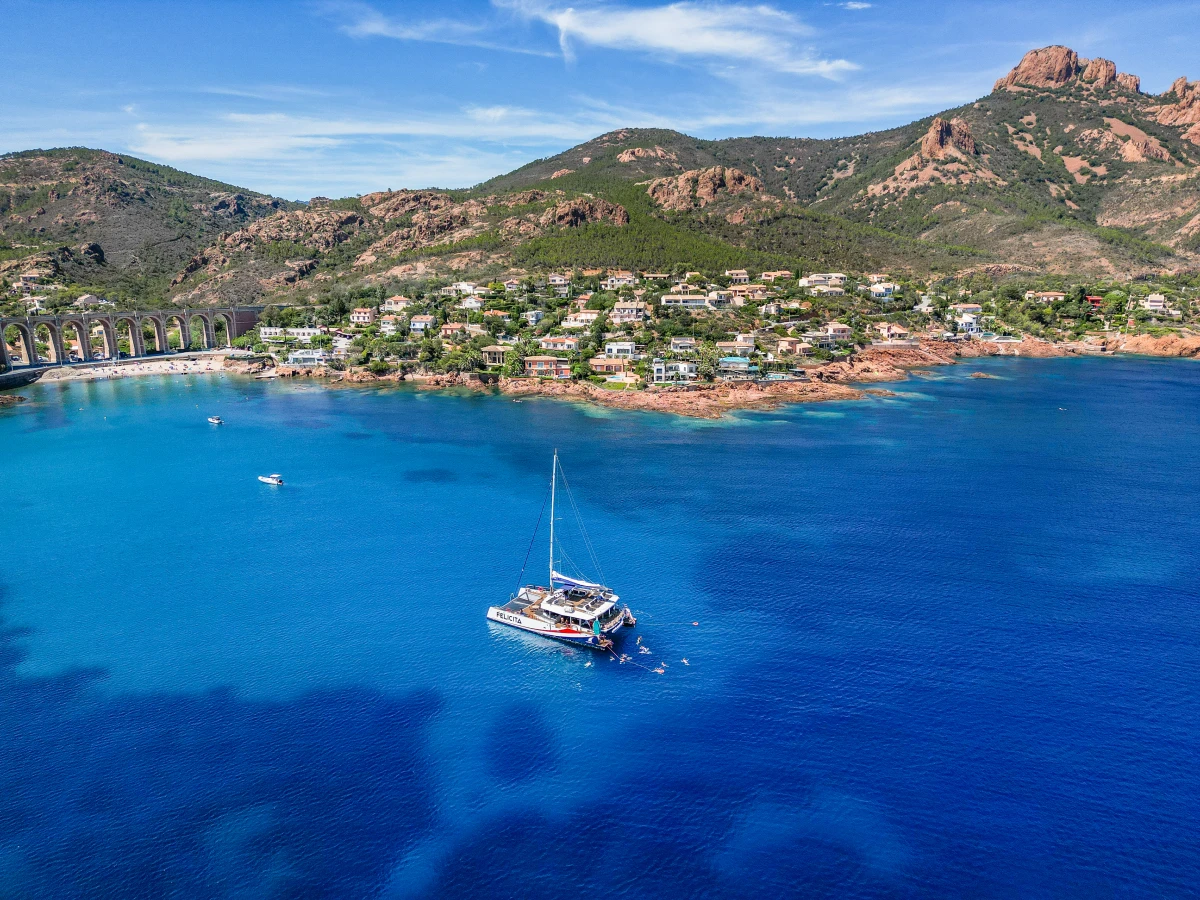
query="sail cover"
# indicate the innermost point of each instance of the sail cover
(567, 581)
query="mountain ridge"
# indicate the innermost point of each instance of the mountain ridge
(1066, 166)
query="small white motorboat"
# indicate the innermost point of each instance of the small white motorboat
(271, 479)
(215, 420)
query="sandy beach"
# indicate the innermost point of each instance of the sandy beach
(198, 364)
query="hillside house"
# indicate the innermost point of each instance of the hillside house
(308, 358)
(838, 331)
(737, 276)
(892, 332)
(672, 371)
(533, 316)
(420, 324)
(628, 312)
(583, 319)
(607, 366)
(735, 348)
(396, 304)
(685, 301)
(772, 277)
(559, 343)
(388, 324)
(736, 367)
(683, 345)
(364, 315)
(621, 349)
(619, 279)
(821, 339)
(494, 355)
(823, 279)
(547, 367)
(280, 335)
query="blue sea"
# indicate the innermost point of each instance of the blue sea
(947, 643)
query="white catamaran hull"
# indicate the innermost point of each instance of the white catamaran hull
(536, 626)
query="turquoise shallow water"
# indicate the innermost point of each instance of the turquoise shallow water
(947, 643)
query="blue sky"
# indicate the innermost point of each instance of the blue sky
(335, 98)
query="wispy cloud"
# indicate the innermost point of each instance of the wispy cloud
(363, 21)
(855, 4)
(749, 35)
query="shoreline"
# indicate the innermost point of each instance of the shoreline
(831, 381)
(198, 364)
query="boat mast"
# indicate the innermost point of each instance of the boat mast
(553, 483)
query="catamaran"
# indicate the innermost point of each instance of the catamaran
(570, 609)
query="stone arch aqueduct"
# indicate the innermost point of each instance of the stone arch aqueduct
(237, 320)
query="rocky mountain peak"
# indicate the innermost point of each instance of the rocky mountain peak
(1051, 67)
(1046, 67)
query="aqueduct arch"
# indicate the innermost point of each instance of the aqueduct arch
(23, 330)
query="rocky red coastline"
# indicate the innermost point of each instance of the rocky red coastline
(838, 380)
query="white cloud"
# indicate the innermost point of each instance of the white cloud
(363, 21)
(759, 36)
(854, 4)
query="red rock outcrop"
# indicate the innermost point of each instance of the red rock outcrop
(1186, 109)
(1131, 83)
(700, 187)
(1045, 68)
(1167, 345)
(635, 153)
(1100, 72)
(572, 213)
(319, 229)
(396, 204)
(944, 137)
(1052, 67)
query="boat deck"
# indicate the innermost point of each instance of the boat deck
(515, 606)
